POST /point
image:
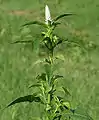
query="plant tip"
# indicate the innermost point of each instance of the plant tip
(47, 14)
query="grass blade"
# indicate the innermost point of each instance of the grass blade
(80, 116)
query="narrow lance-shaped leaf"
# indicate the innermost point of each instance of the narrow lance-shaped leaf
(28, 98)
(35, 85)
(56, 77)
(35, 22)
(56, 23)
(63, 15)
(60, 41)
(29, 41)
(66, 91)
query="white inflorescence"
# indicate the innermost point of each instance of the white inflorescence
(47, 14)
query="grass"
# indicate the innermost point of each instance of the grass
(17, 61)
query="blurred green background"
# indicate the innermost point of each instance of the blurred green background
(17, 61)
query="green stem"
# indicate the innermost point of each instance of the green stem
(51, 56)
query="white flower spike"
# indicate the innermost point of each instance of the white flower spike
(47, 14)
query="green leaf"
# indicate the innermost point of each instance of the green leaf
(72, 110)
(29, 41)
(48, 61)
(55, 24)
(66, 105)
(28, 98)
(35, 22)
(63, 15)
(35, 85)
(56, 77)
(41, 77)
(60, 57)
(63, 89)
(61, 40)
(60, 98)
(38, 62)
(66, 91)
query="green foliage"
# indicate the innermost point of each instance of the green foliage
(63, 15)
(35, 22)
(55, 106)
(28, 98)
